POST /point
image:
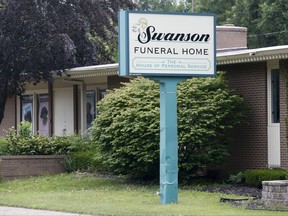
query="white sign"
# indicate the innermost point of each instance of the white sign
(166, 44)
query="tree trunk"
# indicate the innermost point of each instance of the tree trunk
(3, 99)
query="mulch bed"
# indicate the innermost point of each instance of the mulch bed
(255, 193)
(240, 190)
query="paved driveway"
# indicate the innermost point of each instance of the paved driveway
(12, 211)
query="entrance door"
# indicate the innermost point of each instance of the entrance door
(273, 114)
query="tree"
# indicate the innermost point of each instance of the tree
(221, 8)
(272, 24)
(164, 5)
(266, 21)
(247, 13)
(127, 130)
(41, 36)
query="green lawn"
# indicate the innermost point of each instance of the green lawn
(100, 196)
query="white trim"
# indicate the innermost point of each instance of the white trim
(252, 55)
(34, 94)
(92, 71)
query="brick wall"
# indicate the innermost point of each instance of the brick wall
(115, 81)
(283, 115)
(25, 166)
(249, 140)
(9, 117)
(230, 36)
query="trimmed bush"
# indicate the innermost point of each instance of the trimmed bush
(254, 177)
(25, 143)
(127, 130)
(80, 152)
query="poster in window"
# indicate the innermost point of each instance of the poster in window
(43, 115)
(90, 99)
(27, 108)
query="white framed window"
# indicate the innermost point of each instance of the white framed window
(93, 95)
(91, 107)
(275, 96)
(43, 114)
(27, 111)
(34, 108)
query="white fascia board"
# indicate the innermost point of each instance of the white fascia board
(252, 55)
(93, 71)
(94, 68)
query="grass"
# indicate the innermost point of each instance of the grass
(100, 196)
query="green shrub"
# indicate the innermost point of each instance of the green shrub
(25, 143)
(81, 152)
(85, 160)
(3, 145)
(236, 178)
(25, 129)
(84, 156)
(127, 130)
(207, 109)
(254, 177)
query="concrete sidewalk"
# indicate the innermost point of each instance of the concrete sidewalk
(12, 211)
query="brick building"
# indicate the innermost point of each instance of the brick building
(258, 75)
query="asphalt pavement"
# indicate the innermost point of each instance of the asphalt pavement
(12, 211)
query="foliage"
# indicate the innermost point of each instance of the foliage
(236, 178)
(3, 145)
(29, 144)
(127, 130)
(25, 129)
(86, 160)
(222, 8)
(255, 177)
(41, 36)
(83, 157)
(266, 20)
(163, 5)
(207, 110)
(81, 154)
(157, 5)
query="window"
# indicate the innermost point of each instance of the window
(27, 108)
(92, 98)
(102, 94)
(275, 96)
(35, 109)
(43, 114)
(90, 105)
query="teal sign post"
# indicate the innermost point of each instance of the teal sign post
(168, 139)
(167, 48)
